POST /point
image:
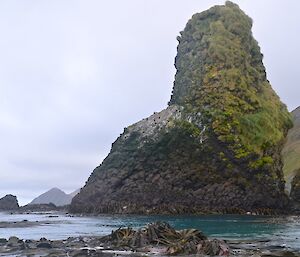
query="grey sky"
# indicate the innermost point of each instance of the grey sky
(74, 73)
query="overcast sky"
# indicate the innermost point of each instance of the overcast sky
(74, 73)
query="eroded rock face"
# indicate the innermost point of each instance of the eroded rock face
(291, 155)
(216, 147)
(295, 188)
(8, 203)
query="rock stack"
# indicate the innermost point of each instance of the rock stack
(216, 147)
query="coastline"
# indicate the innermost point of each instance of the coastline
(93, 245)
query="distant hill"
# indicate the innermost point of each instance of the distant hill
(55, 196)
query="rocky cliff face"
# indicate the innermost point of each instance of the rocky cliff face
(295, 188)
(291, 158)
(216, 147)
(8, 203)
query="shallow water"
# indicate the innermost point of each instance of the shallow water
(281, 231)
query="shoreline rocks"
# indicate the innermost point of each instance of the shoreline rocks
(158, 237)
(40, 207)
(155, 239)
(187, 241)
(25, 223)
(175, 209)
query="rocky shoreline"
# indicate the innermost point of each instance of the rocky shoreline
(178, 209)
(156, 239)
(92, 246)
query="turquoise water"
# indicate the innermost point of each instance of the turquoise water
(281, 231)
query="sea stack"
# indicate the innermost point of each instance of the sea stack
(216, 147)
(9, 203)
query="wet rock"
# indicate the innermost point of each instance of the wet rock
(187, 241)
(3, 241)
(13, 240)
(16, 243)
(215, 247)
(81, 253)
(44, 245)
(155, 239)
(281, 254)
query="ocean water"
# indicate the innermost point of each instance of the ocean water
(282, 231)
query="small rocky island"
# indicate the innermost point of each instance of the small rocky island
(9, 203)
(216, 148)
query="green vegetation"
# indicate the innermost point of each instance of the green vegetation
(220, 74)
(188, 127)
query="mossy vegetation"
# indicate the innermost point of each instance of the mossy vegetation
(221, 75)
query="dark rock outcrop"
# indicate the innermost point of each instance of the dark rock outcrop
(291, 158)
(40, 207)
(295, 188)
(9, 203)
(149, 241)
(216, 147)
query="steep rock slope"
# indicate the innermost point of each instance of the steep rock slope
(55, 196)
(291, 157)
(295, 189)
(74, 193)
(216, 147)
(8, 203)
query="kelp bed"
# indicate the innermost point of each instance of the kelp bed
(171, 241)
